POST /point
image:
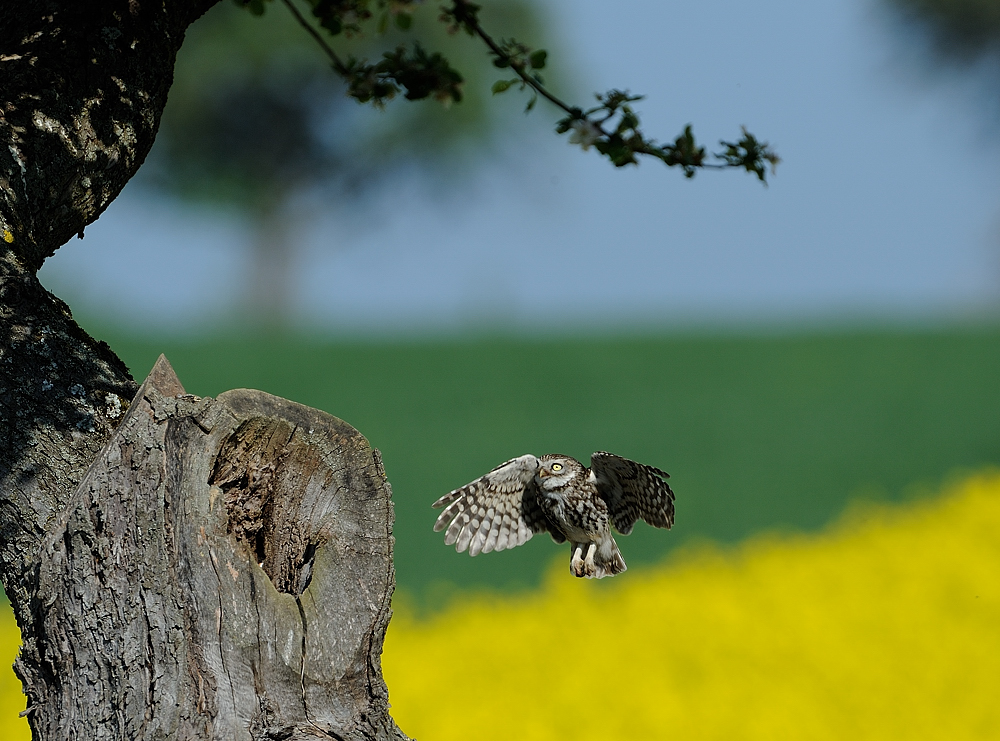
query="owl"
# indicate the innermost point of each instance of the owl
(559, 495)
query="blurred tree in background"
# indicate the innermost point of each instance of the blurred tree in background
(257, 123)
(963, 34)
(961, 30)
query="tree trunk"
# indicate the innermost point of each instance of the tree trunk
(223, 571)
(179, 567)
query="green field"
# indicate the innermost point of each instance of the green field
(759, 432)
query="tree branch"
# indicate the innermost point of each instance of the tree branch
(612, 127)
(625, 140)
(338, 65)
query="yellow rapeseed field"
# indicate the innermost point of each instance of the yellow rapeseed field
(887, 626)
(12, 728)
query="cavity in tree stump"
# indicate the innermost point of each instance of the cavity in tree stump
(224, 571)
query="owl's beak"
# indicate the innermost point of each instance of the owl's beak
(542, 472)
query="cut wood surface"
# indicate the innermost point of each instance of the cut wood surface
(223, 571)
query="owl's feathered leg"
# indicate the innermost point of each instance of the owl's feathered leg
(608, 561)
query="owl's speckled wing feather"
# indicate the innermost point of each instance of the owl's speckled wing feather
(632, 491)
(496, 511)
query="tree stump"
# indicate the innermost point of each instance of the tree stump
(223, 571)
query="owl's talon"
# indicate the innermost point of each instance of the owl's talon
(583, 567)
(589, 567)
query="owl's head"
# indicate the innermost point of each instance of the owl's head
(555, 471)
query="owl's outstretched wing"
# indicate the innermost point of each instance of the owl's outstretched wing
(496, 511)
(632, 491)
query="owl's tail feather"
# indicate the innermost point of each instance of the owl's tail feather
(608, 559)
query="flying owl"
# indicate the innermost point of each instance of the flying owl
(559, 495)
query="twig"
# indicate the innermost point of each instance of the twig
(338, 65)
(519, 69)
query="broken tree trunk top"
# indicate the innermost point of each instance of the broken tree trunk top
(224, 570)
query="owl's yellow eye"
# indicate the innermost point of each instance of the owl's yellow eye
(557, 466)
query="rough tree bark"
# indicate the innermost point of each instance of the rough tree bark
(179, 567)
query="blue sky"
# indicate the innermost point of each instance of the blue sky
(885, 205)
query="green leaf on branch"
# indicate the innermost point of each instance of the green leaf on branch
(685, 152)
(341, 16)
(461, 15)
(502, 86)
(422, 74)
(538, 58)
(616, 149)
(750, 154)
